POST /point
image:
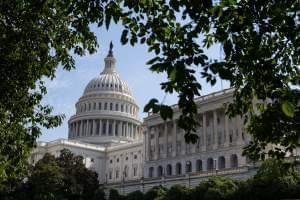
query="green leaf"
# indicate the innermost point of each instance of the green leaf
(150, 105)
(288, 109)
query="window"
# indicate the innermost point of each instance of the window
(135, 156)
(111, 106)
(94, 106)
(122, 108)
(117, 159)
(110, 161)
(117, 107)
(126, 158)
(105, 106)
(92, 159)
(89, 106)
(99, 106)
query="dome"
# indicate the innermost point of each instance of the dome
(107, 82)
(106, 113)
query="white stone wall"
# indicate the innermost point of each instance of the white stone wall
(219, 146)
(124, 162)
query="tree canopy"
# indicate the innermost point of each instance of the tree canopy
(261, 61)
(64, 177)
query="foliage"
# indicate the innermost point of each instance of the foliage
(261, 58)
(156, 193)
(260, 40)
(215, 188)
(178, 192)
(114, 195)
(36, 36)
(137, 195)
(64, 177)
(275, 179)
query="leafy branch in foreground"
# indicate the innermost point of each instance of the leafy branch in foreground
(261, 42)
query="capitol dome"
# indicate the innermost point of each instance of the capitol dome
(106, 113)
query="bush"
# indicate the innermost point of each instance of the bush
(114, 195)
(178, 192)
(137, 195)
(156, 193)
(215, 188)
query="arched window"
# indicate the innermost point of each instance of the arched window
(99, 106)
(117, 107)
(210, 164)
(151, 169)
(105, 106)
(111, 106)
(178, 168)
(122, 108)
(84, 107)
(94, 106)
(126, 108)
(169, 169)
(234, 160)
(199, 165)
(221, 162)
(159, 171)
(188, 166)
(89, 106)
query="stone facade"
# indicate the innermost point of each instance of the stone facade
(130, 155)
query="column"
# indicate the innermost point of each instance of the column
(106, 126)
(127, 130)
(82, 128)
(120, 129)
(239, 126)
(203, 147)
(100, 126)
(77, 128)
(166, 139)
(88, 128)
(114, 128)
(174, 144)
(137, 135)
(156, 144)
(94, 127)
(226, 127)
(215, 130)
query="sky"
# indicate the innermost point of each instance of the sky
(68, 86)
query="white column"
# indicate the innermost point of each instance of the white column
(120, 129)
(82, 128)
(107, 125)
(215, 130)
(127, 130)
(88, 128)
(100, 126)
(156, 144)
(226, 142)
(146, 144)
(174, 145)
(166, 139)
(239, 126)
(94, 127)
(114, 128)
(203, 147)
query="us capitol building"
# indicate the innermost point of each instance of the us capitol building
(129, 154)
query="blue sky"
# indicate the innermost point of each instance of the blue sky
(67, 87)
